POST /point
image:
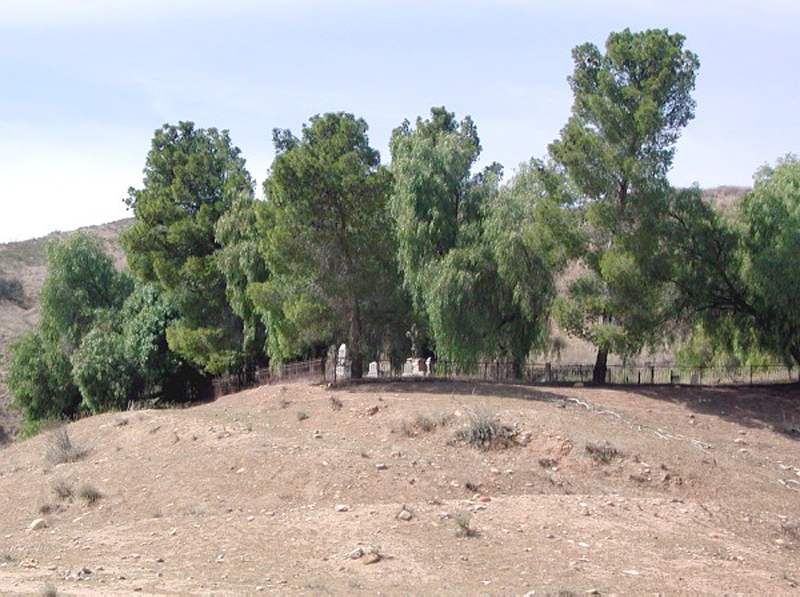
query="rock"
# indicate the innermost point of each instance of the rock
(372, 410)
(37, 525)
(342, 508)
(381, 466)
(355, 554)
(631, 572)
(578, 384)
(371, 558)
(405, 515)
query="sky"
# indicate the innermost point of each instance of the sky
(85, 83)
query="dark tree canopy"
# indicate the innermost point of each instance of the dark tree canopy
(327, 242)
(191, 178)
(630, 105)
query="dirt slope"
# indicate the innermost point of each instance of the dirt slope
(271, 489)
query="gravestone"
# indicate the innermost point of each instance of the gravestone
(408, 368)
(373, 369)
(342, 364)
(429, 365)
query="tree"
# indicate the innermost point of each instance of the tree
(102, 370)
(191, 178)
(630, 105)
(39, 378)
(473, 301)
(81, 284)
(328, 243)
(738, 274)
(240, 261)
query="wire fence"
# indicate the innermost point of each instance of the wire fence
(334, 370)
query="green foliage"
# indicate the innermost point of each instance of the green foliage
(241, 263)
(192, 177)
(146, 316)
(630, 105)
(472, 257)
(81, 284)
(739, 274)
(39, 377)
(327, 243)
(102, 371)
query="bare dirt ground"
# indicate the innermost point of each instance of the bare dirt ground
(281, 490)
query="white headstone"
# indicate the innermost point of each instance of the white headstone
(408, 368)
(373, 369)
(342, 365)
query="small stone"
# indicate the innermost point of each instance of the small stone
(259, 588)
(342, 508)
(631, 572)
(371, 558)
(37, 525)
(381, 466)
(240, 471)
(405, 515)
(251, 518)
(355, 554)
(494, 471)
(578, 384)
(582, 544)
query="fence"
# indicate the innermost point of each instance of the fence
(543, 373)
(228, 384)
(615, 374)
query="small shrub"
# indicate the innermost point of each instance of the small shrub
(485, 432)
(121, 422)
(62, 488)
(45, 508)
(284, 402)
(791, 529)
(6, 557)
(548, 462)
(89, 493)
(336, 404)
(463, 526)
(302, 415)
(602, 453)
(60, 448)
(424, 423)
(49, 590)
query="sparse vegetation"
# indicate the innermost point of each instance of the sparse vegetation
(302, 415)
(49, 590)
(602, 453)
(336, 404)
(463, 522)
(424, 423)
(548, 462)
(62, 488)
(485, 432)
(60, 448)
(89, 493)
(791, 528)
(11, 290)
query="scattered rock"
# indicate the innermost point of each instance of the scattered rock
(37, 525)
(381, 466)
(405, 515)
(372, 410)
(371, 558)
(342, 508)
(355, 554)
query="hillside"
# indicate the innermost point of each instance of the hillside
(26, 261)
(307, 490)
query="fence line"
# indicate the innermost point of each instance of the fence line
(320, 370)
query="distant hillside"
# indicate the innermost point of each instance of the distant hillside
(26, 262)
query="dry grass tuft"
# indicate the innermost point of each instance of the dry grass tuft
(62, 488)
(463, 524)
(424, 423)
(485, 432)
(60, 448)
(89, 493)
(602, 453)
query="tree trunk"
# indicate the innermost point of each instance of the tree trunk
(357, 354)
(600, 367)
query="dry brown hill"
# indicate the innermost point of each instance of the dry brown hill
(26, 261)
(307, 490)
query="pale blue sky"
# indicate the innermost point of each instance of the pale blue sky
(84, 83)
